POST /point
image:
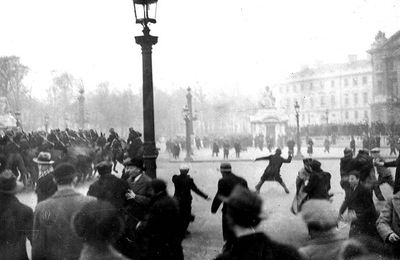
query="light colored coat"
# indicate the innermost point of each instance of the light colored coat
(53, 237)
(389, 219)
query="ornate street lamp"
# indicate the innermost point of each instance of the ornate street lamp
(18, 118)
(298, 156)
(46, 123)
(145, 13)
(187, 118)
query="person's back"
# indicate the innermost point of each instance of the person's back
(258, 246)
(15, 227)
(53, 236)
(183, 184)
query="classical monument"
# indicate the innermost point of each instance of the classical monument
(269, 120)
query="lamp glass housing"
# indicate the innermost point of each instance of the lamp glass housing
(145, 11)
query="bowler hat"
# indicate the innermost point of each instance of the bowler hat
(355, 173)
(315, 165)
(64, 171)
(137, 162)
(9, 183)
(319, 213)
(104, 167)
(347, 150)
(225, 167)
(43, 158)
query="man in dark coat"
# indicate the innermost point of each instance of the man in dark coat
(319, 183)
(272, 172)
(184, 185)
(395, 163)
(114, 190)
(238, 148)
(16, 219)
(244, 212)
(162, 226)
(361, 208)
(225, 186)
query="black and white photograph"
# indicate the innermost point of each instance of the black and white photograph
(220, 130)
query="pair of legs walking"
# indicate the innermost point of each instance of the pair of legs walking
(278, 179)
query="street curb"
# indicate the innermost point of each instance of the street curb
(250, 160)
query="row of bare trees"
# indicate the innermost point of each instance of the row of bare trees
(108, 106)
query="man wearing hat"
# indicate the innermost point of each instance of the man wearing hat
(395, 163)
(45, 185)
(53, 237)
(225, 186)
(244, 214)
(272, 172)
(112, 189)
(302, 178)
(184, 185)
(384, 174)
(15, 218)
(361, 208)
(321, 221)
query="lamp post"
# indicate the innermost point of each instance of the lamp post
(18, 118)
(298, 155)
(46, 123)
(145, 13)
(81, 104)
(187, 118)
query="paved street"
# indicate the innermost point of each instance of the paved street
(206, 238)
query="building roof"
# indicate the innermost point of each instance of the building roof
(392, 42)
(330, 69)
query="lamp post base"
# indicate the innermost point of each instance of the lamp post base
(188, 159)
(298, 156)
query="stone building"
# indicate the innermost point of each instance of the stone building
(328, 93)
(385, 56)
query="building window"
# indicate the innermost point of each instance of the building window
(346, 82)
(303, 117)
(364, 80)
(355, 81)
(311, 86)
(355, 98)
(322, 101)
(365, 98)
(379, 84)
(346, 115)
(390, 65)
(366, 114)
(302, 102)
(356, 115)
(287, 89)
(332, 83)
(302, 87)
(333, 101)
(311, 102)
(294, 88)
(346, 99)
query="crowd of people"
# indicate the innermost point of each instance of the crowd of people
(134, 217)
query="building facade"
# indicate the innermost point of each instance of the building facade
(385, 57)
(328, 93)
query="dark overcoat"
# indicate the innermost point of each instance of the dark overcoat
(225, 187)
(395, 163)
(360, 200)
(318, 185)
(162, 229)
(16, 221)
(272, 172)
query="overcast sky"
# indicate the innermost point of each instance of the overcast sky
(219, 45)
